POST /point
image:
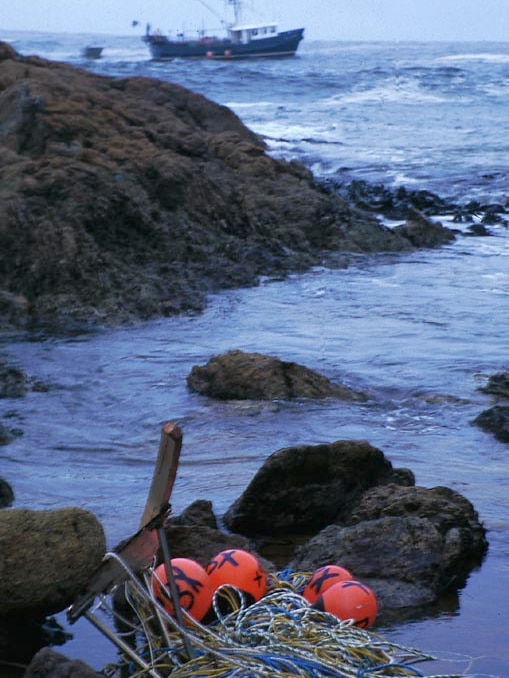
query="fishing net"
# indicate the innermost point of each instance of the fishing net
(279, 635)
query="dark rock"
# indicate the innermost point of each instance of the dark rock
(6, 493)
(199, 513)
(237, 375)
(445, 507)
(464, 538)
(13, 382)
(15, 308)
(300, 490)
(478, 230)
(423, 232)
(498, 385)
(8, 434)
(496, 421)
(202, 543)
(50, 664)
(405, 549)
(37, 632)
(391, 203)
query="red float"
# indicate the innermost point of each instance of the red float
(240, 569)
(350, 599)
(193, 586)
(322, 579)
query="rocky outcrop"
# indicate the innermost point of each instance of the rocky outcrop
(129, 198)
(299, 490)
(392, 554)
(46, 557)
(345, 504)
(238, 375)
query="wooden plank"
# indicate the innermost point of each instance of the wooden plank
(164, 472)
(138, 550)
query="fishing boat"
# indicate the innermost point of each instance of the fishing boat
(242, 41)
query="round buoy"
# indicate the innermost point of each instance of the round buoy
(193, 586)
(322, 579)
(240, 569)
(349, 599)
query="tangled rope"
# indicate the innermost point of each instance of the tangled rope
(280, 635)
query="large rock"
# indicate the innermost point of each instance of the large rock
(300, 490)
(46, 557)
(130, 198)
(237, 375)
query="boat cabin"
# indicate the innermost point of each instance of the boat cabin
(246, 34)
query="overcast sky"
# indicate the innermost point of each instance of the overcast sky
(322, 19)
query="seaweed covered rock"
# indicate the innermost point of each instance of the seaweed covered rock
(237, 375)
(131, 198)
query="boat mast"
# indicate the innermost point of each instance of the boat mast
(236, 10)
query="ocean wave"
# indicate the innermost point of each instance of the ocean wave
(501, 57)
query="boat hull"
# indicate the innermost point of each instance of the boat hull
(281, 45)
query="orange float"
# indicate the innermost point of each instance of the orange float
(349, 599)
(238, 568)
(322, 579)
(193, 586)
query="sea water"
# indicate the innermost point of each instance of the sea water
(420, 332)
